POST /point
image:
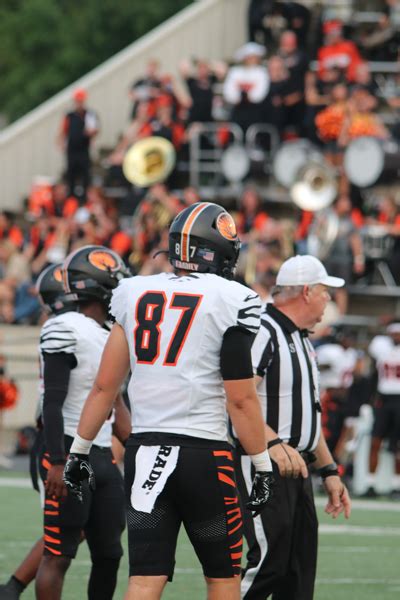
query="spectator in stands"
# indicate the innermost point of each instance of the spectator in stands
(49, 241)
(337, 52)
(63, 206)
(200, 86)
(274, 109)
(251, 216)
(146, 89)
(346, 256)
(40, 200)
(382, 43)
(246, 85)
(258, 13)
(189, 196)
(137, 129)
(329, 124)
(296, 62)
(363, 79)
(360, 118)
(15, 277)
(9, 230)
(166, 126)
(317, 97)
(78, 129)
(388, 218)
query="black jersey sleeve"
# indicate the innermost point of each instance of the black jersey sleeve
(57, 370)
(235, 357)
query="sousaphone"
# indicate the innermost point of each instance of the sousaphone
(149, 161)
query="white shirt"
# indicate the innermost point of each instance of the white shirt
(252, 79)
(387, 357)
(174, 326)
(73, 333)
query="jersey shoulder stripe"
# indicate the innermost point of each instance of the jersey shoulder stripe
(58, 336)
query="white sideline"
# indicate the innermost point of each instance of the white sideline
(15, 482)
(366, 505)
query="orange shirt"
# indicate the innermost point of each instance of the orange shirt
(14, 234)
(343, 55)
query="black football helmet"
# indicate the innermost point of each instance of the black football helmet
(49, 287)
(92, 272)
(203, 239)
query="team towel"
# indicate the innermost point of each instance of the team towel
(154, 464)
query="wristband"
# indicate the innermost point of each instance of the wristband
(274, 442)
(261, 461)
(329, 471)
(80, 445)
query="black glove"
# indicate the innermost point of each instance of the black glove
(77, 469)
(261, 491)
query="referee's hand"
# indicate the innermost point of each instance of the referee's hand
(338, 497)
(289, 461)
(261, 491)
(78, 469)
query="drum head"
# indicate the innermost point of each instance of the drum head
(235, 163)
(290, 158)
(364, 160)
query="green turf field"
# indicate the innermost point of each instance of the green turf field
(358, 560)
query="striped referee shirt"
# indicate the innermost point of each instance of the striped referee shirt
(284, 357)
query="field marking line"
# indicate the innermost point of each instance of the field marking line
(366, 505)
(15, 482)
(359, 530)
(352, 581)
(354, 549)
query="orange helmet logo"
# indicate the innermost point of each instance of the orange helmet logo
(104, 261)
(226, 226)
(58, 275)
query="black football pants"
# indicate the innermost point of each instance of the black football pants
(282, 540)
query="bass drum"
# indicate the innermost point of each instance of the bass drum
(368, 159)
(291, 157)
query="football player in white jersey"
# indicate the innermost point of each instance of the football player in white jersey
(71, 344)
(385, 350)
(52, 296)
(186, 336)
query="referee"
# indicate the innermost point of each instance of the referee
(282, 540)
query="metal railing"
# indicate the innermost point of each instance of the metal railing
(205, 153)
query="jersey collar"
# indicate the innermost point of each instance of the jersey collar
(283, 320)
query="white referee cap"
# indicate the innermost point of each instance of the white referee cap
(306, 270)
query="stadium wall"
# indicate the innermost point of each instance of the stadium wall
(209, 29)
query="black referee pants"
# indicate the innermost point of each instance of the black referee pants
(282, 540)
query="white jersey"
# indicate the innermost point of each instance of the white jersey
(174, 326)
(73, 333)
(387, 357)
(336, 365)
